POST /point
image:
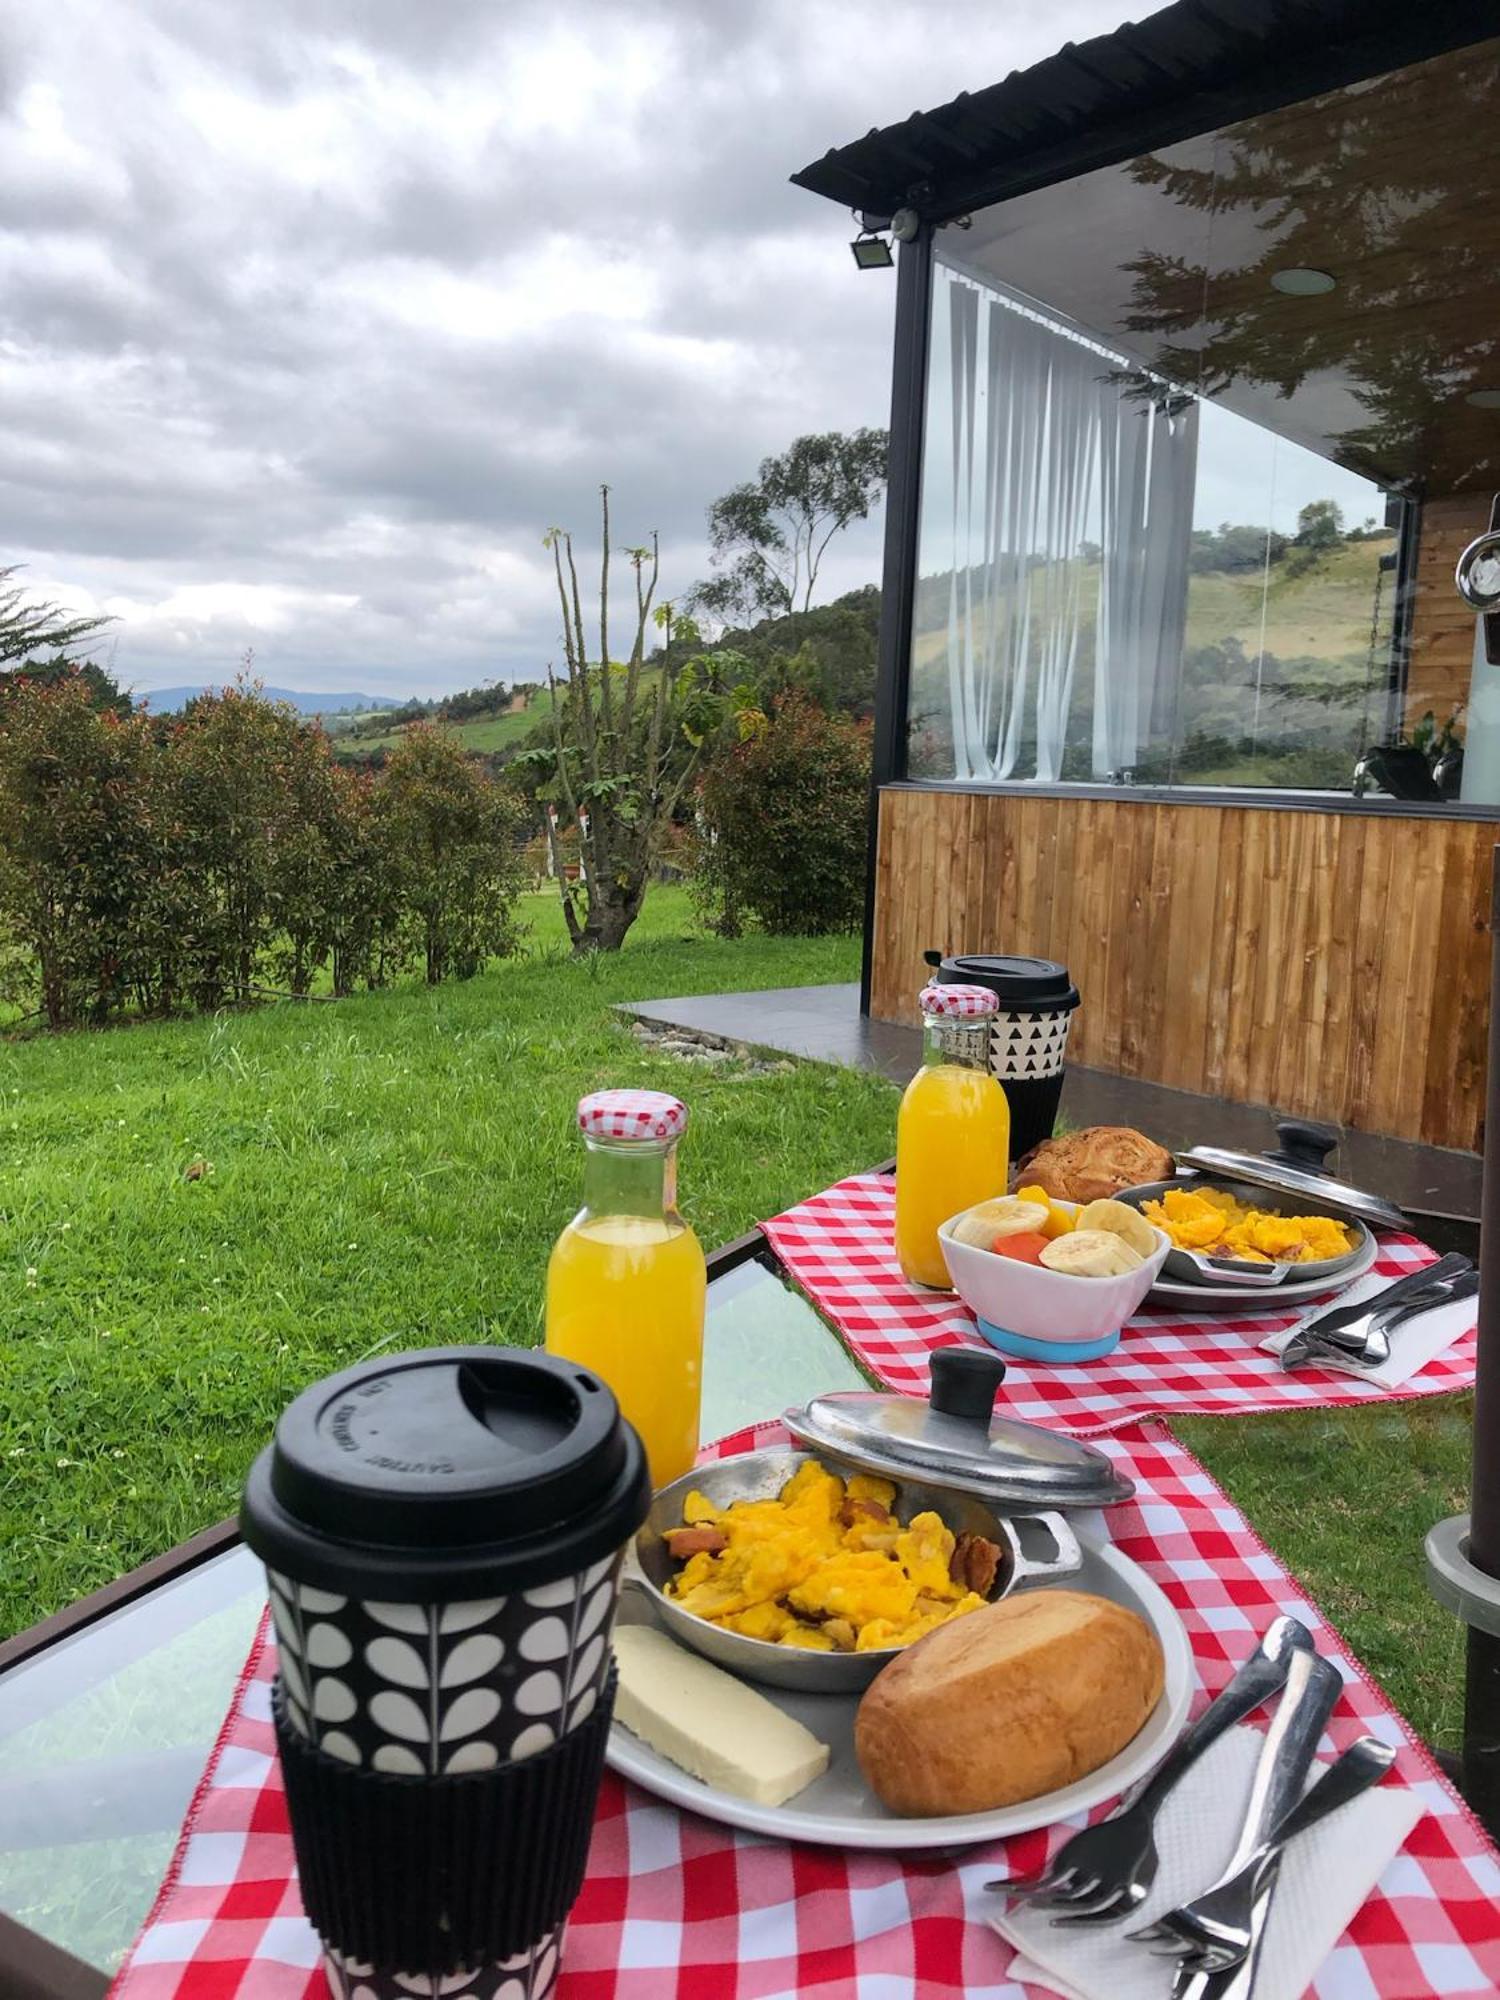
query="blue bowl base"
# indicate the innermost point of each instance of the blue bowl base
(1024, 1348)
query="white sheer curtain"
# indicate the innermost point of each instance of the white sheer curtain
(1148, 465)
(1024, 422)
(1042, 454)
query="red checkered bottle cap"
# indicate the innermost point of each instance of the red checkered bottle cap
(632, 1114)
(958, 1003)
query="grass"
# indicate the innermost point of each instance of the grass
(387, 1169)
(481, 732)
(393, 1169)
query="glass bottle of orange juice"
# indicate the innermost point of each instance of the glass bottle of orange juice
(626, 1283)
(953, 1130)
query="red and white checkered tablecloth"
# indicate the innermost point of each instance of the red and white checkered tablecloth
(678, 1908)
(1168, 1363)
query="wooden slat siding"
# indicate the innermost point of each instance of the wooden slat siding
(1335, 965)
(1467, 1084)
(1442, 625)
(1440, 1052)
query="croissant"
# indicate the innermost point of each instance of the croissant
(1095, 1163)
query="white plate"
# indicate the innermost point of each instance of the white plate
(838, 1810)
(1267, 1297)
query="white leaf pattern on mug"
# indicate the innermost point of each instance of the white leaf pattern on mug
(595, 1611)
(548, 1596)
(401, 1762)
(470, 1713)
(536, 1737)
(333, 1700)
(397, 1661)
(327, 1646)
(547, 1639)
(540, 1694)
(470, 1659)
(472, 1611)
(475, 1756)
(399, 1715)
(399, 1617)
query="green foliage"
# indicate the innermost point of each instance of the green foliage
(75, 848)
(102, 687)
(147, 866)
(453, 843)
(1320, 525)
(784, 822)
(32, 626)
(768, 535)
(626, 742)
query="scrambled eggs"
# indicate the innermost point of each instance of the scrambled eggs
(826, 1566)
(1213, 1222)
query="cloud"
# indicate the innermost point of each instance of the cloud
(312, 321)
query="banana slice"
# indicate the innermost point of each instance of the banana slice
(1091, 1253)
(1004, 1216)
(1121, 1220)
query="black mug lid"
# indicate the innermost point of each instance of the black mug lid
(449, 1472)
(1023, 985)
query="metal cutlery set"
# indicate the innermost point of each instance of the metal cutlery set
(1356, 1338)
(1105, 1872)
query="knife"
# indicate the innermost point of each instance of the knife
(1414, 1281)
(1354, 1346)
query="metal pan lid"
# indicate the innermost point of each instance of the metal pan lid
(1298, 1169)
(954, 1439)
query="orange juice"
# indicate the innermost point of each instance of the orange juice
(626, 1285)
(625, 1297)
(953, 1129)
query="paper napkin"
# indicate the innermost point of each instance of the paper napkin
(1412, 1346)
(1326, 1875)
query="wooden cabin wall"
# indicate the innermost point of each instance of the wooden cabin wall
(1333, 965)
(1442, 626)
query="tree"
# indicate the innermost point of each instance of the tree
(769, 535)
(627, 741)
(29, 626)
(1320, 525)
(453, 839)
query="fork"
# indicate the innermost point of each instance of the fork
(1214, 1931)
(1106, 1871)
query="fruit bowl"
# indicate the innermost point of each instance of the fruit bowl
(1041, 1315)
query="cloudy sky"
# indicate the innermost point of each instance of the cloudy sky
(314, 317)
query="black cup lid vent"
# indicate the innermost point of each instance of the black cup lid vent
(451, 1470)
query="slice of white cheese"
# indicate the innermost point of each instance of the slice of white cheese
(710, 1724)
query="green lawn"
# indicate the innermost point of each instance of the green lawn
(393, 1169)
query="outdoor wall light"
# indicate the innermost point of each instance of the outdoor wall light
(1300, 283)
(1484, 399)
(871, 253)
(906, 224)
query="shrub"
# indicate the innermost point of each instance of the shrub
(783, 818)
(74, 847)
(453, 841)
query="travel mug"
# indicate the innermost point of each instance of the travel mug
(1028, 1036)
(443, 1533)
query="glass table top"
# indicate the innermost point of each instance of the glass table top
(104, 1736)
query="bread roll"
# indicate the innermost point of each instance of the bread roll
(1006, 1703)
(1088, 1165)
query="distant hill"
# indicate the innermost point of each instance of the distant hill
(162, 701)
